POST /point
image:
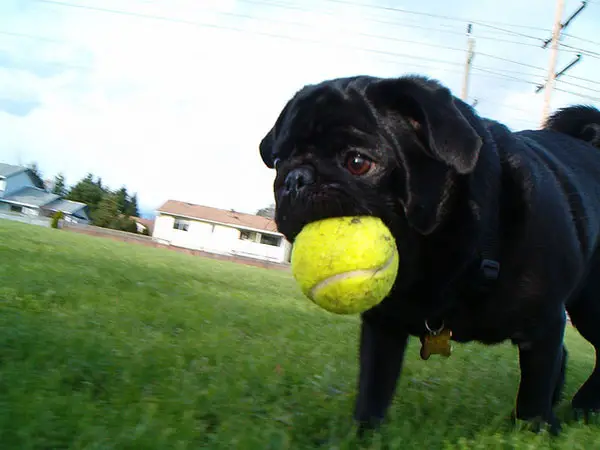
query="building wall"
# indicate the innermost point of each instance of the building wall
(33, 220)
(7, 207)
(73, 219)
(215, 238)
(17, 182)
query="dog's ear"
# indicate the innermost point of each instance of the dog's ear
(267, 144)
(431, 110)
(266, 149)
(435, 140)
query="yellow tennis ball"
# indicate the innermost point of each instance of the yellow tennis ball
(345, 265)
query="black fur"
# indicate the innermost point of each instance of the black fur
(578, 121)
(448, 184)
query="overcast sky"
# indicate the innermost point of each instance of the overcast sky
(172, 97)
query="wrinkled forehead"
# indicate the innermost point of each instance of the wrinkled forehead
(327, 117)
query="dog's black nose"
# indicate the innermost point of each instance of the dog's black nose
(299, 178)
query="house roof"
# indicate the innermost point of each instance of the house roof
(206, 213)
(148, 223)
(8, 170)
(66, 206)
(38, 198)
(30, 196)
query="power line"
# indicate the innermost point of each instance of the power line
(264, 33)
(596, 99)
(371, 19)
(504, 105)
(512, 72)
(581, 39)
(439, 16)
(579, 86)
(189, 22)
(371, 50)
(481, 23)
(587, 80)
(30, 36)
(500, 74)
(511, 61)
(514, 33)
(370, 35)
(489, 71)
(582, 51)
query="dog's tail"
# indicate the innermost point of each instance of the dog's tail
(580, 121)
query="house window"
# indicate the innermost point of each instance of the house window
(16, 209)
(181, 225)
(246, 235)
(269, 239)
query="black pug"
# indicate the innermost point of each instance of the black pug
(497, 231)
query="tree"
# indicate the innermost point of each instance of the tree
(132, 209)
(89, 192)
(122, 199)
(124, 224)
(268, 212)
(107, 211)
(60, 187)
(35, 169)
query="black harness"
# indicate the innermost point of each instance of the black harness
(480, 273)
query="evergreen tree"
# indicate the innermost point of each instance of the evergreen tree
(35, 169)
(107, 211)
(60, 187)
(122, 200)
(87, 191)
(268, 212)
(132, 209)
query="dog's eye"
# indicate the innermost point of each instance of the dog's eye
(358, 164)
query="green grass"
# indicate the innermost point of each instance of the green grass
(105, 345)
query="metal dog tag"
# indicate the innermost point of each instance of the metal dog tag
(436, 344)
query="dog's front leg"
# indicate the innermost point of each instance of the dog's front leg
(540, 361)
(382, 350)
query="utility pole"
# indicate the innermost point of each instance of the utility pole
(557, 30)
(558, 74)
(468, 63)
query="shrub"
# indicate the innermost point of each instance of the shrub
(56, 217)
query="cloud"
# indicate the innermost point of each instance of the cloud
(18, 108)
(176, 108)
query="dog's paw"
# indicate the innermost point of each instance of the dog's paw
(586, 404)
(364, 428)
(589, 416)
(538, 424)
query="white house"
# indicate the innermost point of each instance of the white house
(22, 192)
(144, 225)
(219, 231)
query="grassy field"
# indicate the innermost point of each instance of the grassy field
(106, 345)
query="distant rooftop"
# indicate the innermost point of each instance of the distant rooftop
(30, 196)
(66, 206)
(206, 213)
(7, 170)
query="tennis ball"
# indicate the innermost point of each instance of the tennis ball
(345, 265)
